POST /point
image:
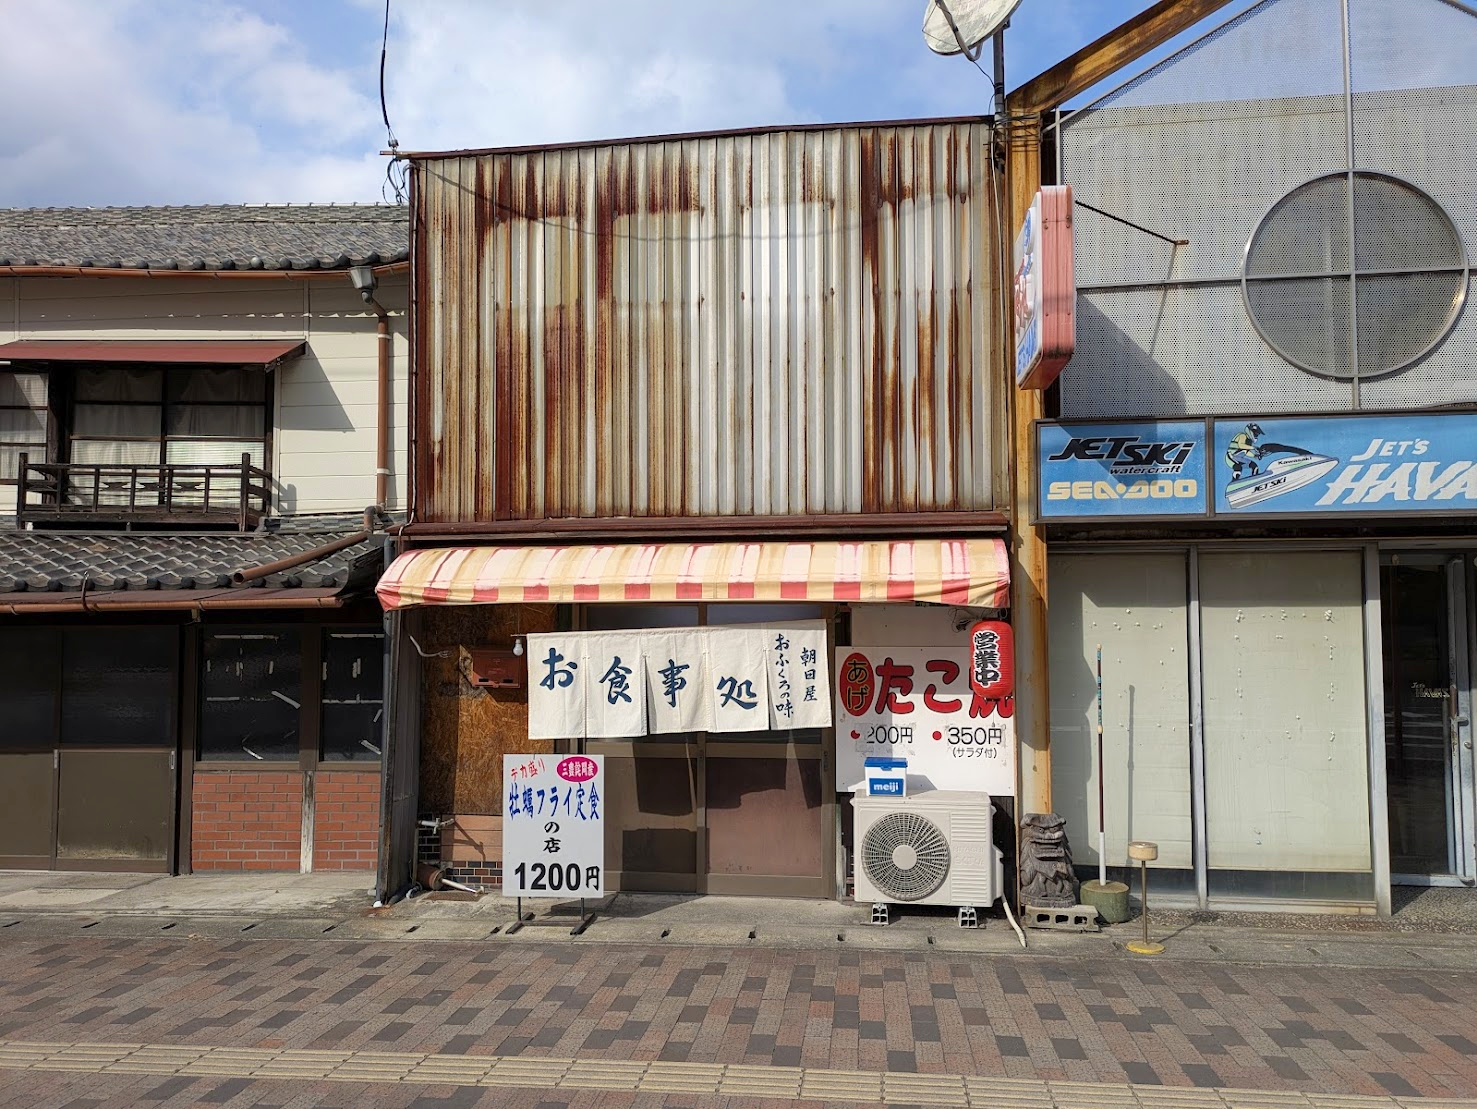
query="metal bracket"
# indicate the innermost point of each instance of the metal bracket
(586, 919)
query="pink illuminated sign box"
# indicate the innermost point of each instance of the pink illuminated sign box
(1045, 290)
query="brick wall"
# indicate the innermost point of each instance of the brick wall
(346, 820)
(246, 820)
(469, 847)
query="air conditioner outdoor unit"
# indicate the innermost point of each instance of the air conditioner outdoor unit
(929, 848)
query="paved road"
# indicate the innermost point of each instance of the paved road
(1391, 1033)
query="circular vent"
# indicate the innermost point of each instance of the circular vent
(905, 856)
(1355, 285)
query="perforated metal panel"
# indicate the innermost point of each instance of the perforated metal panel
(1182, 350)
(1400, 318)
(1306, 321)
(1263, 95)
(1307, 232)
(1209, 141)
(1397, 226)
(1405, 246)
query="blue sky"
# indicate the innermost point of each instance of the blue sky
(222, 101)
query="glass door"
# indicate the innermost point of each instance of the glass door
(1428, 731)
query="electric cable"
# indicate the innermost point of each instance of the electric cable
(394, 171)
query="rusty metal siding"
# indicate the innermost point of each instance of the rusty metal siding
(782, 323)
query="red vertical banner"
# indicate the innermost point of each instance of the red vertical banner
(992, 664)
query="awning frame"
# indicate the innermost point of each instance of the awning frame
(969, 572)
(264, 353)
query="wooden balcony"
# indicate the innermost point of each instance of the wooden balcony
(118, 493)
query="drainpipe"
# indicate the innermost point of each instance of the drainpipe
(364, 279)
(267, 569)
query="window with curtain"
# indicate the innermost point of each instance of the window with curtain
(182, 415)
(23, 421)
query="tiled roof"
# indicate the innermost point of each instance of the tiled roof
(245, 237)
(46, 561)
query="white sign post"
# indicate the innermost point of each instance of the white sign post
(554, 829)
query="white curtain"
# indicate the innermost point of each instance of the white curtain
(238, 421)
(115, 452)
(22, 389)
(22, 425)
(119, 384)
(214, 452)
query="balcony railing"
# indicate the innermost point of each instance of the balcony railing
(184, 493)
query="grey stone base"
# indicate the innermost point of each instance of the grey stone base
(1078, 918)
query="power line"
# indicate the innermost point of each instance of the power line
(394, 172)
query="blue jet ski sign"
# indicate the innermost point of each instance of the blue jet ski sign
(1270, 466)
(1261, 470)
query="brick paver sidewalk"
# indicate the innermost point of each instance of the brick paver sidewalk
(1332, 1030)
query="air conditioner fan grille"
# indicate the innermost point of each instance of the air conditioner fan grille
(905, 856)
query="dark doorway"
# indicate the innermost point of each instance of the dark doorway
(1428, 764)
(89, 769)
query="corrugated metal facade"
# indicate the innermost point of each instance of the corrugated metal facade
(785, 323)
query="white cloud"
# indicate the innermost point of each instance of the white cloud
(170, 102)
(208, 101)
(579, 69)
(265, 72)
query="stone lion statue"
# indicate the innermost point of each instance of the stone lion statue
(1047, 881)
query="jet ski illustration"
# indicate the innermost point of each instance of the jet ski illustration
(1252, 481)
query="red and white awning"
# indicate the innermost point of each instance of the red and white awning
(973, 572)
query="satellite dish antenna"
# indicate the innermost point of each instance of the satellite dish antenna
(962, 26)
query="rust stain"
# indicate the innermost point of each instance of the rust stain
(597, 341)
(892, 424)
(871, 306)
(504, 346)
(426, 460)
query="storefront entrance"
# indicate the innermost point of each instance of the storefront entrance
(88, 753)
(748, 813)
(1426, 605)
(710, 815)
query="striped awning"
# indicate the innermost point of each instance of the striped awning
(946, 571)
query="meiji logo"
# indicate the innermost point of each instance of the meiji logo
(1128, 454)
(885, 787)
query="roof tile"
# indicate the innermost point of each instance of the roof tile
(42, 561)
(207, 237)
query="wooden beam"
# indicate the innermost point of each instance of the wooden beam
(1120, 47)
(1028, 565)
